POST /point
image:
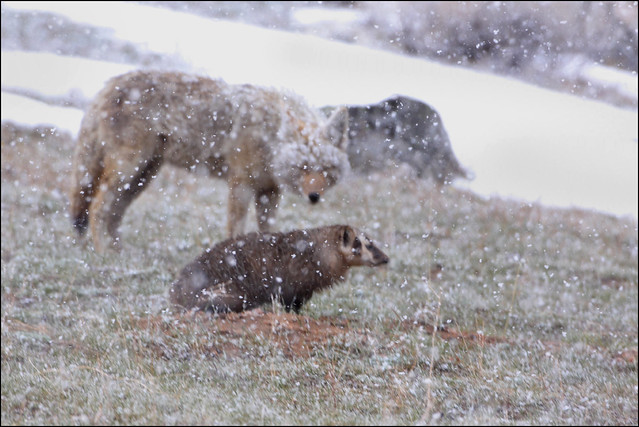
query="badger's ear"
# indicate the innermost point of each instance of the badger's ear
(347, 234)
(336, 128)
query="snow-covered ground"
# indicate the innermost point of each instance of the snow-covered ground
(519, 140)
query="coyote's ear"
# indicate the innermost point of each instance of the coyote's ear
(336, 128)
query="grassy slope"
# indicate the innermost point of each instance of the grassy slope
(536, 311)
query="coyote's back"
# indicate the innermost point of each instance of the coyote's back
(258, 139)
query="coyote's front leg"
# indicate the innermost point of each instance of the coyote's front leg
(266, 201)
(239, 199)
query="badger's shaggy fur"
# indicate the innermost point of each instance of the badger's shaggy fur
(254, 269)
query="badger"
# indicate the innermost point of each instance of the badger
(253, 269)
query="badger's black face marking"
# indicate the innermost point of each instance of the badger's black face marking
(373, 249)
(357, 246)
(346, 237)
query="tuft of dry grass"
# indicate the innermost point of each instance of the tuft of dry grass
(491, 311)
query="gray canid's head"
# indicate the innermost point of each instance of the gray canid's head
(316, 158)
(358, 250)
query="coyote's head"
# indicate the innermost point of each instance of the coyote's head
(315, 158)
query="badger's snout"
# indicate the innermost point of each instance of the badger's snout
(314, 197)
(383, 259)
(378, 257)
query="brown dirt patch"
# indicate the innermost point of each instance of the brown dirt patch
(294, 335)
(628, 356)
(237, 334)
(615, 283)
(448, 334)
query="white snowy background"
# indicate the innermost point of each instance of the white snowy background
(520, 141)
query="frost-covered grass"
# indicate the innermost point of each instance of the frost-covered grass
(536, 311)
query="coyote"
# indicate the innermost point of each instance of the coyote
(258, 139)
(247, 271)
(401, 130)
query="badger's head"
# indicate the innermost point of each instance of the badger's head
(357, 249)
(315, 158)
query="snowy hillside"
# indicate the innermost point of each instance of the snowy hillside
(519, 140)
